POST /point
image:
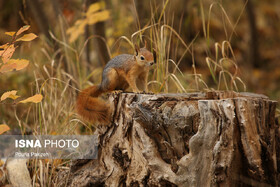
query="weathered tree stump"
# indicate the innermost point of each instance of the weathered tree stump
(196, 139)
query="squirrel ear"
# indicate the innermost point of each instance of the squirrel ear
(137, 49)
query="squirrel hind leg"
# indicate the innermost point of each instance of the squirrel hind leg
(109, 80)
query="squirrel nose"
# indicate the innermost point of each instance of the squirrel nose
(152, 63)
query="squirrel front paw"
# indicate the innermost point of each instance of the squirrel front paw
(147, 92)
(117, 91)
(143, 92)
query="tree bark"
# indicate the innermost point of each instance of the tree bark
(254, 53)
(196, 139)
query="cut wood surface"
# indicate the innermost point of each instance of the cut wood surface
(195, 139)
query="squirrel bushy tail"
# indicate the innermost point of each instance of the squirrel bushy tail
(91, 108)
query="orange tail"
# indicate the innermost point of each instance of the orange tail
(91, 108)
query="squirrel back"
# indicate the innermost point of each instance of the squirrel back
(121, 72)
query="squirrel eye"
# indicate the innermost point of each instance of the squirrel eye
(142, 58)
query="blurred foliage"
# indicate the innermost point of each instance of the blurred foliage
(92, 16)
(200, 45)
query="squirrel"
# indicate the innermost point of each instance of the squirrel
(120, 73)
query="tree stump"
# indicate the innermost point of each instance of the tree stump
(196, 139)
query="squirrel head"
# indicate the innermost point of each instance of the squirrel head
(143, 56)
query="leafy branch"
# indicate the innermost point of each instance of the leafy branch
(7, 64)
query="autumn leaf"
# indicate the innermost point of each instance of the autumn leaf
(21, 63)
(14, 65)
(7, 68)
(98, 16)
(10, 33)
(7, 53)
(94, 14)
(1, 164)
(76, 30)
(27, 37)
(95, 7)
(4, 46)
(10, 94)
(22, 29)
(4, 128)
(34, 99)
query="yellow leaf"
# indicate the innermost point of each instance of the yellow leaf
(92, 17)
(7, 53)
(27, 37)
(7, 68)
(4, 128)
(4, 46)
(95, 7)
(14, 97)
(1, 164)
(99, 16)
(10, 94)
(22, 29)
(34, 99)
(70, 30)
(77, 30)
(14, 65)
(10, 33)
(21, 63)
